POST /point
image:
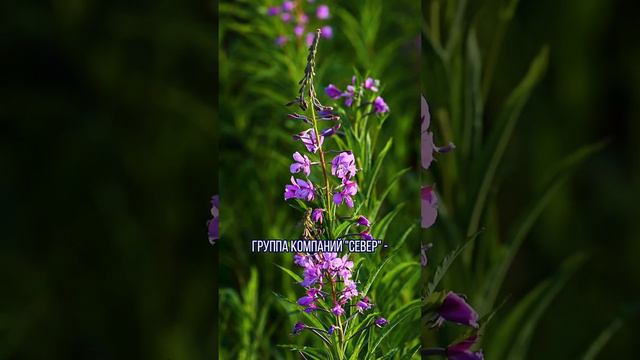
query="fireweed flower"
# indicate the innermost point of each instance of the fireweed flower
(337, 310)
(454, 308)
(344, 165)
(309, 139)
(309, 38)
(364, 304)
(322, 12)
(428, 206)
(298, 327)
(371, 84)
(462, 350)
(316, 215)
(301, 189)
(363, 221)
(298, 30)
(302, 163)
(381, 322)
(274, 10)
(333, 92)
(288, 5)
(326, 32)
(366, 236)
(213, 225)
(331, 329)
(349, 189)
(427, 147)
(380, 107)
(281, 40)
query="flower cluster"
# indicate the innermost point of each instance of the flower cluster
(357, 91)
(214, 224)
(329, 287)
(293, 14)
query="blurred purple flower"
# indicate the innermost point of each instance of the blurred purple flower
(282, 40)
(298, 30)
(273, 11)
(333, 92)
(302, 162)
(344, 165)
(213, 225)
(462, 350)
(454, 308)
(309, 39)
(309, 139)
(363, 221)
(349, 189)
(301, 189)
(429, 206)
(322, 12)
(326, 32)
(371, 84)
(303, 19)
(286, 17)
(427, 147)
(288, 5)
(380, 107)
(298, 327)
(381, 322)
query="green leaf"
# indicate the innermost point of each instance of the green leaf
(563, 170)
(514, 334)
(602, 339)
(444, 266)
(501, 134)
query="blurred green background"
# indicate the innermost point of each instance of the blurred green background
(591, 92)
(108, 160)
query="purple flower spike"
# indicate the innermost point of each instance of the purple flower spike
(429, 206)
(301, 189)
(309, 39)
(424, 261)
(302, 162)
(454, 308)
(381, 322)
(350, 290)
(298, 30)
(214, 224)
(273, 11)
(322, 12)
(309, 139)
(326, 32)
(298, 327)
(333, 92)
(349, 189)
(380, 107)
(371, 84)
(316, 215)
(363, 221)
(461, 350)
(344, 165)
(337, 310)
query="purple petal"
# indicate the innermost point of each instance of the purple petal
(429, 206)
